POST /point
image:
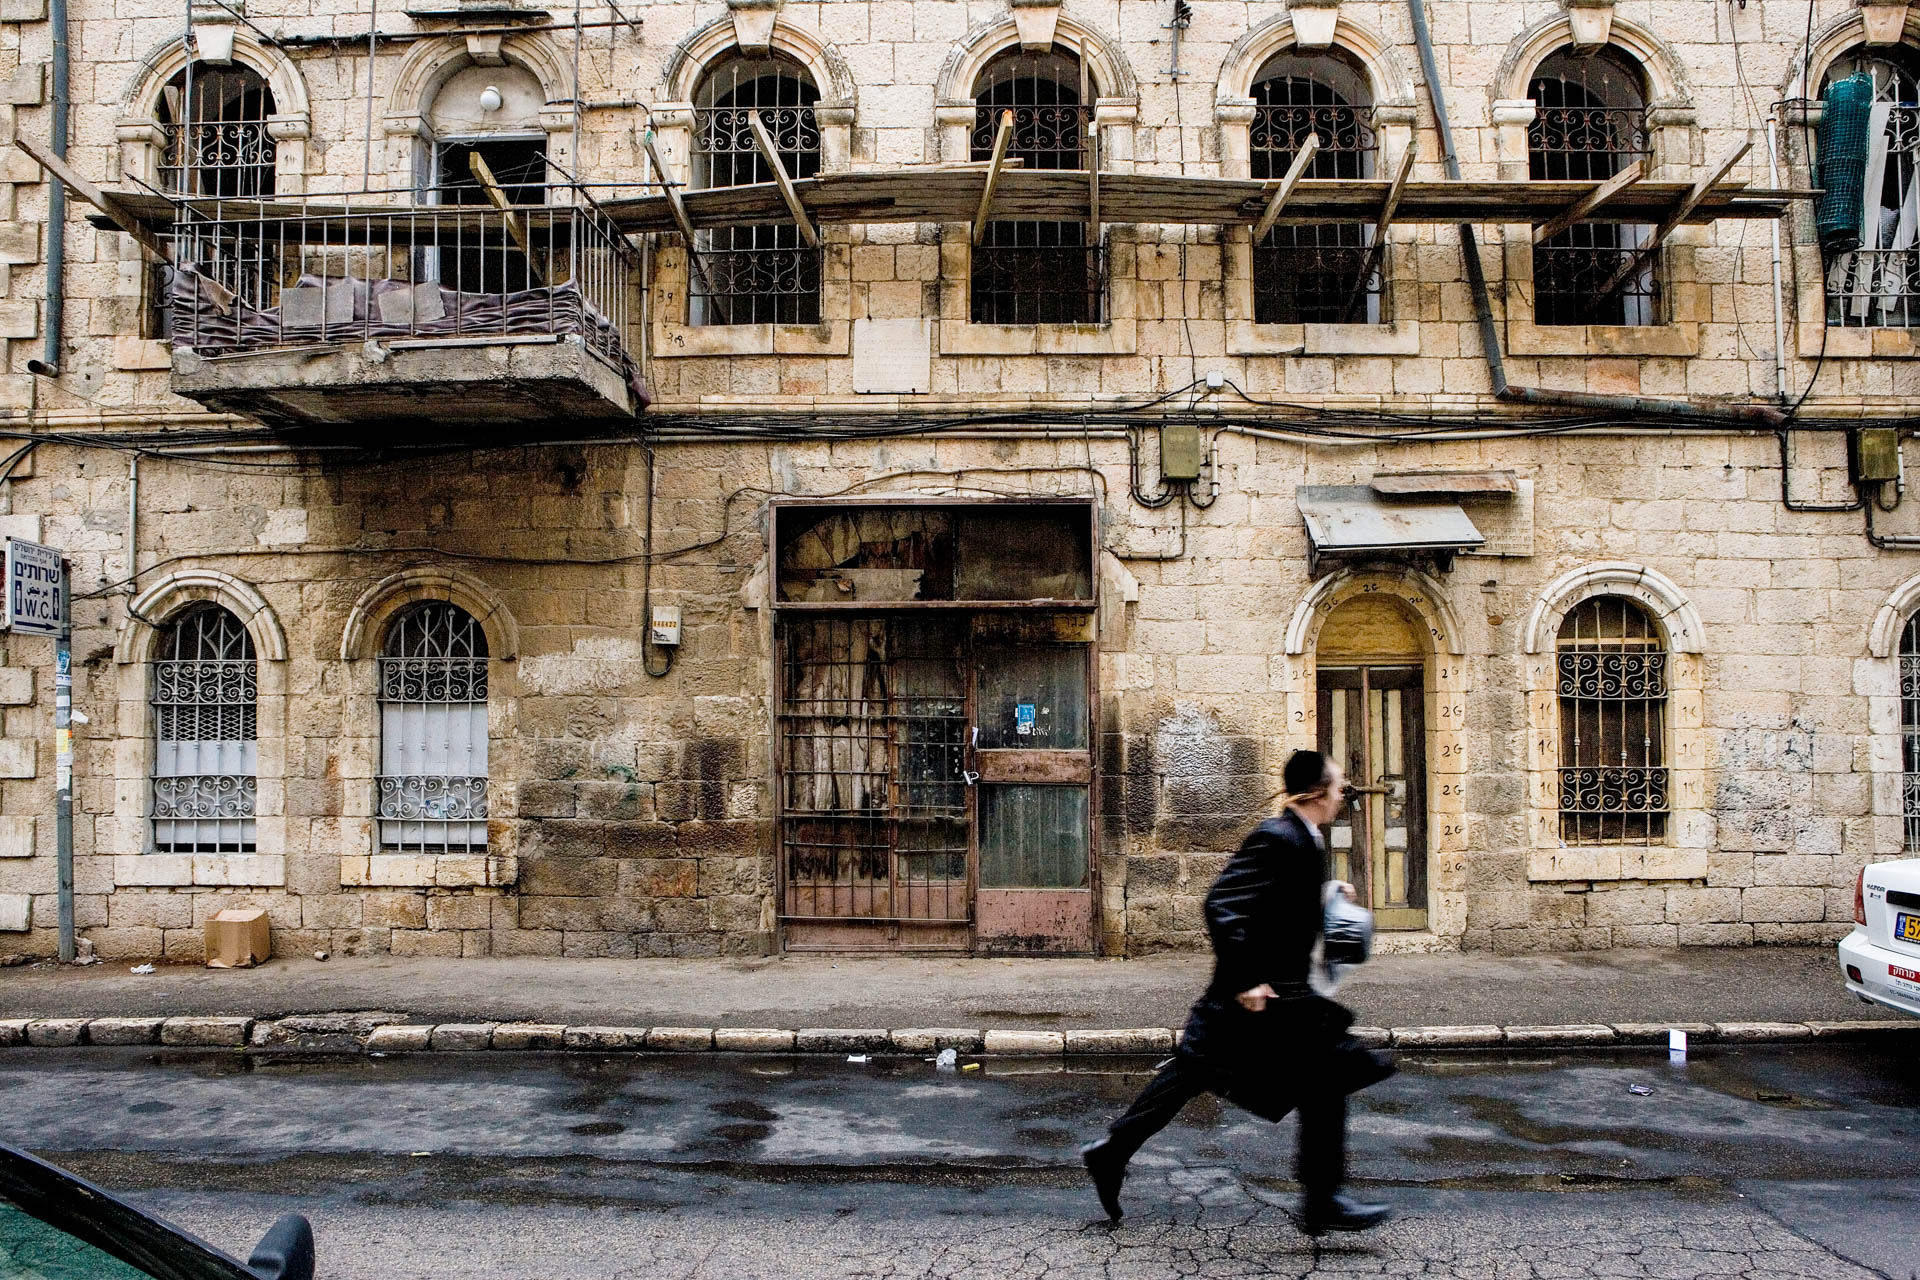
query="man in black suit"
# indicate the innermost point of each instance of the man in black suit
(1258, 1035)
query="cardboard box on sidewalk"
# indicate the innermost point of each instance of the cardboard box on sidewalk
(238, 938)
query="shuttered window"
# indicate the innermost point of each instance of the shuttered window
(433, 731)
(206, 757)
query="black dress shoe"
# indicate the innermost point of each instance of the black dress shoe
(1108, 1172)
(1341, 1213)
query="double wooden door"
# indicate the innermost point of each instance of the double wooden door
(935, 786)
(1372, 719)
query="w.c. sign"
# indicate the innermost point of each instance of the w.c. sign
(36, 586)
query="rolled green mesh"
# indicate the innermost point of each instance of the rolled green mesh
(1845, 126)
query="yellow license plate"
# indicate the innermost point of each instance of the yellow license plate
(1906, 927)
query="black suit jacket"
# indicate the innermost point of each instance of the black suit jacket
(1264, 913)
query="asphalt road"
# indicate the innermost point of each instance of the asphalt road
(1746, 1161)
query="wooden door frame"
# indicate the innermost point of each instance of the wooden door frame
(1420, 816)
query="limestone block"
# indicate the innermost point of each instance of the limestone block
(16, 686)
(19, 247)
(606, 1038)
(1763, 1031)
(26, 87)
(19, 757)
(1130, 1040)
(16, 912)
(529, 1035)
(56, 1033)
(457, 1037)
(752, 1040)
(1656, 1032)
(1574, 863)
(399, 1039)
(133, 352)
(1663, 864)
(1782, 904)
(240, 869)
(1446, 1037)
(934, 1039)
(16, 836)
(1036, 1043)
(680, 1039)
(840, 1040)
(13, 1032)
(1576, 1033)
(124, 1030)
(19, 319)
(205, 1031)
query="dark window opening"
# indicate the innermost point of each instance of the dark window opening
(214, 124)
(1032, 272)
(1590, 123)
(983, 552)
(1869, 212)
(1313, 274)
(762, 274)
(493, 263)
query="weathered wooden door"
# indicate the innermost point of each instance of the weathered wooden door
(1033, 759)
(1372, 720)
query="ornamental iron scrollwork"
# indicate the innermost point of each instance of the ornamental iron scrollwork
(207, 795)
(1626, 676)
(214, 136)
(1613, 791)
(432, 798)
(1044, 283)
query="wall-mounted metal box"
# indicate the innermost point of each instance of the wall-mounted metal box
(1181, 453)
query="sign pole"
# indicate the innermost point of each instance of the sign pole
(63, 763)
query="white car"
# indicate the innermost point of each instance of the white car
(1881, 957)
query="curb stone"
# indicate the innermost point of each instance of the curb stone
(384, 1033)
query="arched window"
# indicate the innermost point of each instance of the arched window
(433, 731)
(759, 274)
(214, 121)
(1613, 724)
(1590, 123)
(1869, 212)
(205, 731)
(1036, 272)
(1323, 274)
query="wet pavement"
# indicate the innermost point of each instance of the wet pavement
(1762, 1160)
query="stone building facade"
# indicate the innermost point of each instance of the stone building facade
(991, 577)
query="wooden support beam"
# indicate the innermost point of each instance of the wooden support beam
(1278, 200)
(497, 197)
(1701, 190)
(1002, 137)
(695, 267)
(771, 154)
(94, 196)
(1593, 200)
(1378, 249)
(1093, 187)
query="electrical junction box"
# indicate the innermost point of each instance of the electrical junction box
(1876, 455)
(664, 629)
(1181, 453)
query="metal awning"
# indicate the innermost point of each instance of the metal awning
(1355, 520)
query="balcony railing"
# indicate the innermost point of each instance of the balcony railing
(1874, 288)
(1348, 143)
(1587, 144)
(257, 276)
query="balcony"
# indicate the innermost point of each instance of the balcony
(307, 315)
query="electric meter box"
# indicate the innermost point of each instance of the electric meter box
(664, 630)
(1876, 455)
(1181, 453)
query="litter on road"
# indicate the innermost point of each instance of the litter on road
(1640, 1089)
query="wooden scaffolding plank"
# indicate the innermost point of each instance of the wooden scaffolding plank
(1589, 203)
(1631, 267)
(695, 267)
(1378, 249)
(483, 174)
(1002, 136)
(771, 154)
(103, 201)
(1282, 193)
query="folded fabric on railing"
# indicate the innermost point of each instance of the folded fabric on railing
(211, 320)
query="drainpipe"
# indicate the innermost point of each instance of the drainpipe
(48, 365)
(1635, 406)
(1779, 306)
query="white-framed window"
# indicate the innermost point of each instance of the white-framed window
(432, 788)
(762, 274)
(1613, 687)
(206, 729)
(1869, 211)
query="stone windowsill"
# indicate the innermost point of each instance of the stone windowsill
(1680, 338)
(1246, 338)
(963, 338)
(1856, 343)
(829, 338)
(1616, 862)
(245, 870)
(425, 871)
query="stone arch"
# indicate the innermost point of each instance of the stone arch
(165, 599)
(1387, 78)
(430, 63)
(1416, 590)
(1883, 639)
(1667, 87)
(1662, 598)
(142, 89)
(367, 621)
(713, 42)
(1107, 64)
(1839, 36)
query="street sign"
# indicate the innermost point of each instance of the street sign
(36, 587)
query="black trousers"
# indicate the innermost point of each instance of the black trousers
(1321, 1165)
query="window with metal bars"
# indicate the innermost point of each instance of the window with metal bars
(1910, 732)
(1876, 283)
(1325, 273)
(1030, 272)
(213, 122)
(1591, 122)
(432, 788)
(763, 274)
(205, 731)
(1613, 725)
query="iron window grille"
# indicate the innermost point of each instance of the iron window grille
(1910, 731)
(763, 274)
(213, 122)
(1590, 122)
(1312, 274)
(1613, 684)
(206, 731)
(1877, 285)
(432, 788)
(1031, 272)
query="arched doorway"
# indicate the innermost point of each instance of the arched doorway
(1371, 715)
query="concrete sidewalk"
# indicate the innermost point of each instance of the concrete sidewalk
(1687, 986)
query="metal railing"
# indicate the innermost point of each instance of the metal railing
(1348, 142)
(1045, 283)
(255, 275)
(218, 158)
(1874, 288)
(1586, 143)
